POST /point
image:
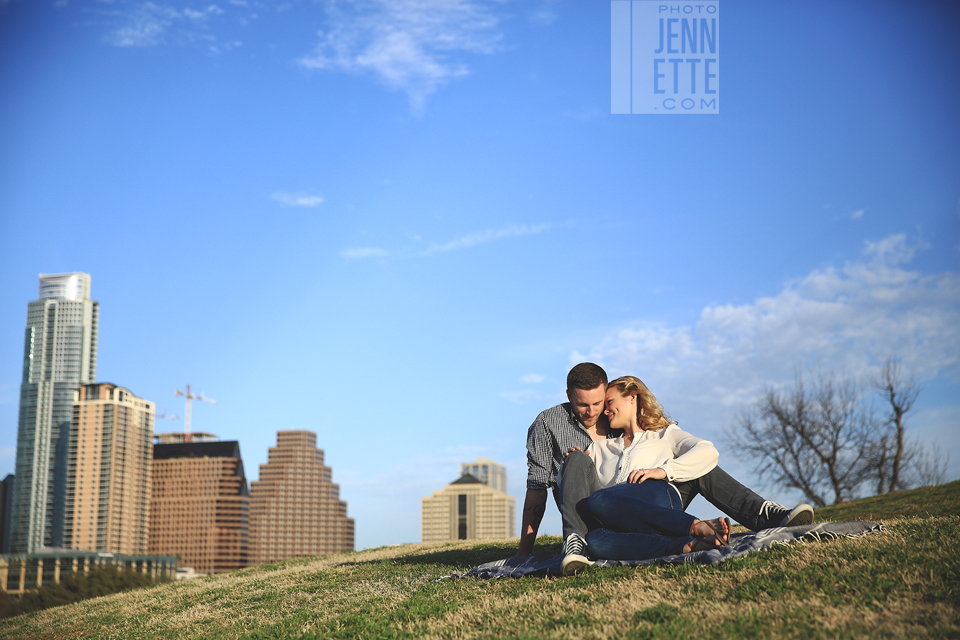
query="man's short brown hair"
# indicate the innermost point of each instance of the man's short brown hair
(586, 375)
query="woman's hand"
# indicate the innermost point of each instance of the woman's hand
(639, 475)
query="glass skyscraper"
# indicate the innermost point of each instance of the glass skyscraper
(59, 354)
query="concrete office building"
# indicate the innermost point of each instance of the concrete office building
(108, 474)
(60, 354)
(295, 509)
(469, 508)
(199, 505)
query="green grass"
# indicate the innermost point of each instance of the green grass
(898, 584)
(943, 499)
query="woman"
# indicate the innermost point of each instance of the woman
(639, 513)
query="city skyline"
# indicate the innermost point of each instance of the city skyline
(398, 224)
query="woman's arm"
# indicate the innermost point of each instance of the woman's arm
(693, 457)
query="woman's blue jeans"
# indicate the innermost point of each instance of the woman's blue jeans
(638, 521)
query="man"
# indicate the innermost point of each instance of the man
(576, 424)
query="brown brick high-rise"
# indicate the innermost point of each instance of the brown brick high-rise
(295, 509)
(108, 471)
(199, 506)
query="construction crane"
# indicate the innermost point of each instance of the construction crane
(164, 416)
(186, 420)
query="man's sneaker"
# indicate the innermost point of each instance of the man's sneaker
(801, 515)
(773, 514)
(574, 555)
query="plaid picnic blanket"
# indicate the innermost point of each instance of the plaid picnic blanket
(740, 545)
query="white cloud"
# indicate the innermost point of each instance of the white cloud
(151, 24)
(145, 26)
(409, 44)
(473, 239)
(200, 15)
(532, 378)
(463, 242)
(364, 252)
(856, 215)
(297, 200)
(844, 319)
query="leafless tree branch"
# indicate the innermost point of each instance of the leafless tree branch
(824, 438)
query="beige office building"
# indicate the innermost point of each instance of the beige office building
(199, 507)
(295, 509)
(108, 471)
(470, 507)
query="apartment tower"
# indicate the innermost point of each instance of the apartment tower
(199, 505)
(108, 474)
(59, 354)
(470, 507)
(295, 509)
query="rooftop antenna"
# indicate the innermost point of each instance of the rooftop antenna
(186, 420)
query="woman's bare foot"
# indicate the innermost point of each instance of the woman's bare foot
(718, 528)
(703, 544)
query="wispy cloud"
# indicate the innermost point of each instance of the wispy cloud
(297, 199)
(482, 237)
(532, 378)
(544, 14)
(463, 242)
(856, 215)
(411, 45)
(146, 26)
(364, 252)
(150, 24)
(841, 318)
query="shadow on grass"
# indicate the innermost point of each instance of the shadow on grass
(461, 558)
(545, 545)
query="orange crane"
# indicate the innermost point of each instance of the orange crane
(186, 420)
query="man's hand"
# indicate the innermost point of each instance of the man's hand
(572, 449)
(534, 504)
(639, 475)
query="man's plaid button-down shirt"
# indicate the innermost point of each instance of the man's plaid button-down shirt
(552, 434)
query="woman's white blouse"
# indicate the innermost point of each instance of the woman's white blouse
(681, 455)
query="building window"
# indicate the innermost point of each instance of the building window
(462, 516)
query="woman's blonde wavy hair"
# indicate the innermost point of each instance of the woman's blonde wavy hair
(650, 415)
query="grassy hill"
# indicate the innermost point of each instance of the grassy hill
(903, 583)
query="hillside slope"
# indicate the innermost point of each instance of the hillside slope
(902, 583)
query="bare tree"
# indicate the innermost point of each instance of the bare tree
(826, 440)
(893, 454)
(930, 467)
(810, 439)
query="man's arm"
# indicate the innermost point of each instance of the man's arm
(534, 504)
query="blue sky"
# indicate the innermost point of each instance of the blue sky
(398, 224)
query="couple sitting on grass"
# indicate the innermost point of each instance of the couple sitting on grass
(622, 475)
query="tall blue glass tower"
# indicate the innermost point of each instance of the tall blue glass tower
(59, 354)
